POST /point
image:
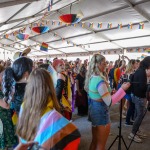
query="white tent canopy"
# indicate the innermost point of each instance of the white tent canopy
(68, 40)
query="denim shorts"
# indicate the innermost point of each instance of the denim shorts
(98, 113)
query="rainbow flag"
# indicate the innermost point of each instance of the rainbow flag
(44, 47)
(56, 132)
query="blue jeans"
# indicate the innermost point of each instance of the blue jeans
(98, 113)
(130, 112)
(140, 108)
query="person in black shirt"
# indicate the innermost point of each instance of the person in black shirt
(81, 95)
(139, 88)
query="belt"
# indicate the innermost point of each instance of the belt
(99, 100)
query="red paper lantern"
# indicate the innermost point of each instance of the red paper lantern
(69, 18)
(41, 29)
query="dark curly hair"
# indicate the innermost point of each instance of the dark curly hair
(14, 74)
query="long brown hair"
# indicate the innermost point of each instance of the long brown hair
(39, 91)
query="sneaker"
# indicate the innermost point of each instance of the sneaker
(123, 116)
(135, 138)
(129, 124)
(132, 121)
(141, 134)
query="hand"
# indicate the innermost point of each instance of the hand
(25, 146)
(4, 104)
(125, 85)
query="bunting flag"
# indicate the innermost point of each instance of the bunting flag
(50, 5)
(83, 24)
(120, 26)
(59, 23)
(39, 27)
(141, 25)
(6, 36)
(109, 26)
(99, 25)
(44, 47)
(53, 22)
(148, 50)
(91, 24)
(130, 25)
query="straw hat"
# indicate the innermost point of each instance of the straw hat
(24, 53)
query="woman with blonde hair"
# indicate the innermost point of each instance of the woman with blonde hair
(130, 69)
(100, 100)
(40, 120)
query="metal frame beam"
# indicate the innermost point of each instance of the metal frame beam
(51, 47)
(15, 2)
(138, 10)
(102, 30)
(1, 24)
(38, 14)
(97, 15)
(107, 41)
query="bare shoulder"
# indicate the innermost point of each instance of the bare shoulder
(61, 76)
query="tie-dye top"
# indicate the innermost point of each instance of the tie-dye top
(99, 90)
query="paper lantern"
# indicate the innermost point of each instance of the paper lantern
(70, 18)
(22, 36)
(41, 29)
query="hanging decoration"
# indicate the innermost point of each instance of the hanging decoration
(41, 29)
(120, 26)
(22, 36)
(109, 26)
(99, 25)
(138, 50)
(148, 50)
(83, 24)
(130, 25)
(141, 25)
(50, 5)
(44, 47)
(70, 18)
(91, 24)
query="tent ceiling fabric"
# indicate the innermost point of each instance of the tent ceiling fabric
(17, 14)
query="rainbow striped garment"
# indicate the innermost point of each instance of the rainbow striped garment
(57, 133)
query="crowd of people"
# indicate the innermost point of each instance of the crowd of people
(37, 100)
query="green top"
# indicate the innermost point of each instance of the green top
(94, 87)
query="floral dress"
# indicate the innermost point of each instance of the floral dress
(7, 132)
